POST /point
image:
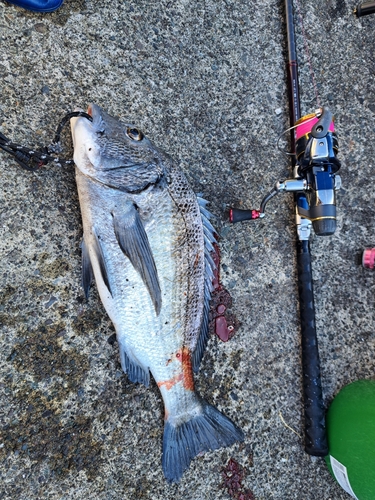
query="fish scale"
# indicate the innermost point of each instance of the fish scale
(147, 242)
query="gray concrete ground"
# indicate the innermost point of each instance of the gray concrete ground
(206, 82)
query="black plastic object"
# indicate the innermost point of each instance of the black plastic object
(315, 433)
(365, 8)
(321, 128)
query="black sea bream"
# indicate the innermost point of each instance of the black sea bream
(147, 241)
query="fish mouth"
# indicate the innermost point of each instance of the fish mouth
(92, 115)
(89, 111)
(95, 112)
(82, 122)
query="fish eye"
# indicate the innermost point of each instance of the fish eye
(134, 134)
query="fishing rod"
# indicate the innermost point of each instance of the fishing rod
(364, 9)
(314, 149)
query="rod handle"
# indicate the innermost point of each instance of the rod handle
(315, 431)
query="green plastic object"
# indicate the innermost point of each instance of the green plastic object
(351, 439)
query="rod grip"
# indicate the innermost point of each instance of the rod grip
(315, 431)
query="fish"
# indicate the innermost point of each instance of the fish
(148, 243)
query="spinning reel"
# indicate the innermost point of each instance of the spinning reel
(315, 179)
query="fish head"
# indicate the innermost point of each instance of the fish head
(113, 152)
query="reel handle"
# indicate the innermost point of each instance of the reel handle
(237, 215)
(315, 432)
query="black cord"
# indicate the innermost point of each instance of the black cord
(64, 121)
(30, 159)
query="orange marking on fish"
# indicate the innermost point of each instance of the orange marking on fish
(187, 369)
(171, 382)
(185, 376)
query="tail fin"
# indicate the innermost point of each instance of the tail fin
(209, 430)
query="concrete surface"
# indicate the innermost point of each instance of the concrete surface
(206, 82)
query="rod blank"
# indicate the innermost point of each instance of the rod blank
(365, 8)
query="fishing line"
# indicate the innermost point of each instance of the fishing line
(293, 153)
(306, 47)
(65, 120)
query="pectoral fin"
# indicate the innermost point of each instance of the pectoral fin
(133, 241)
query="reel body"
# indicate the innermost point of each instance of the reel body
(315, 177)
(317, 163)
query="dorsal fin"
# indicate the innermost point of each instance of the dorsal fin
(210, 268)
